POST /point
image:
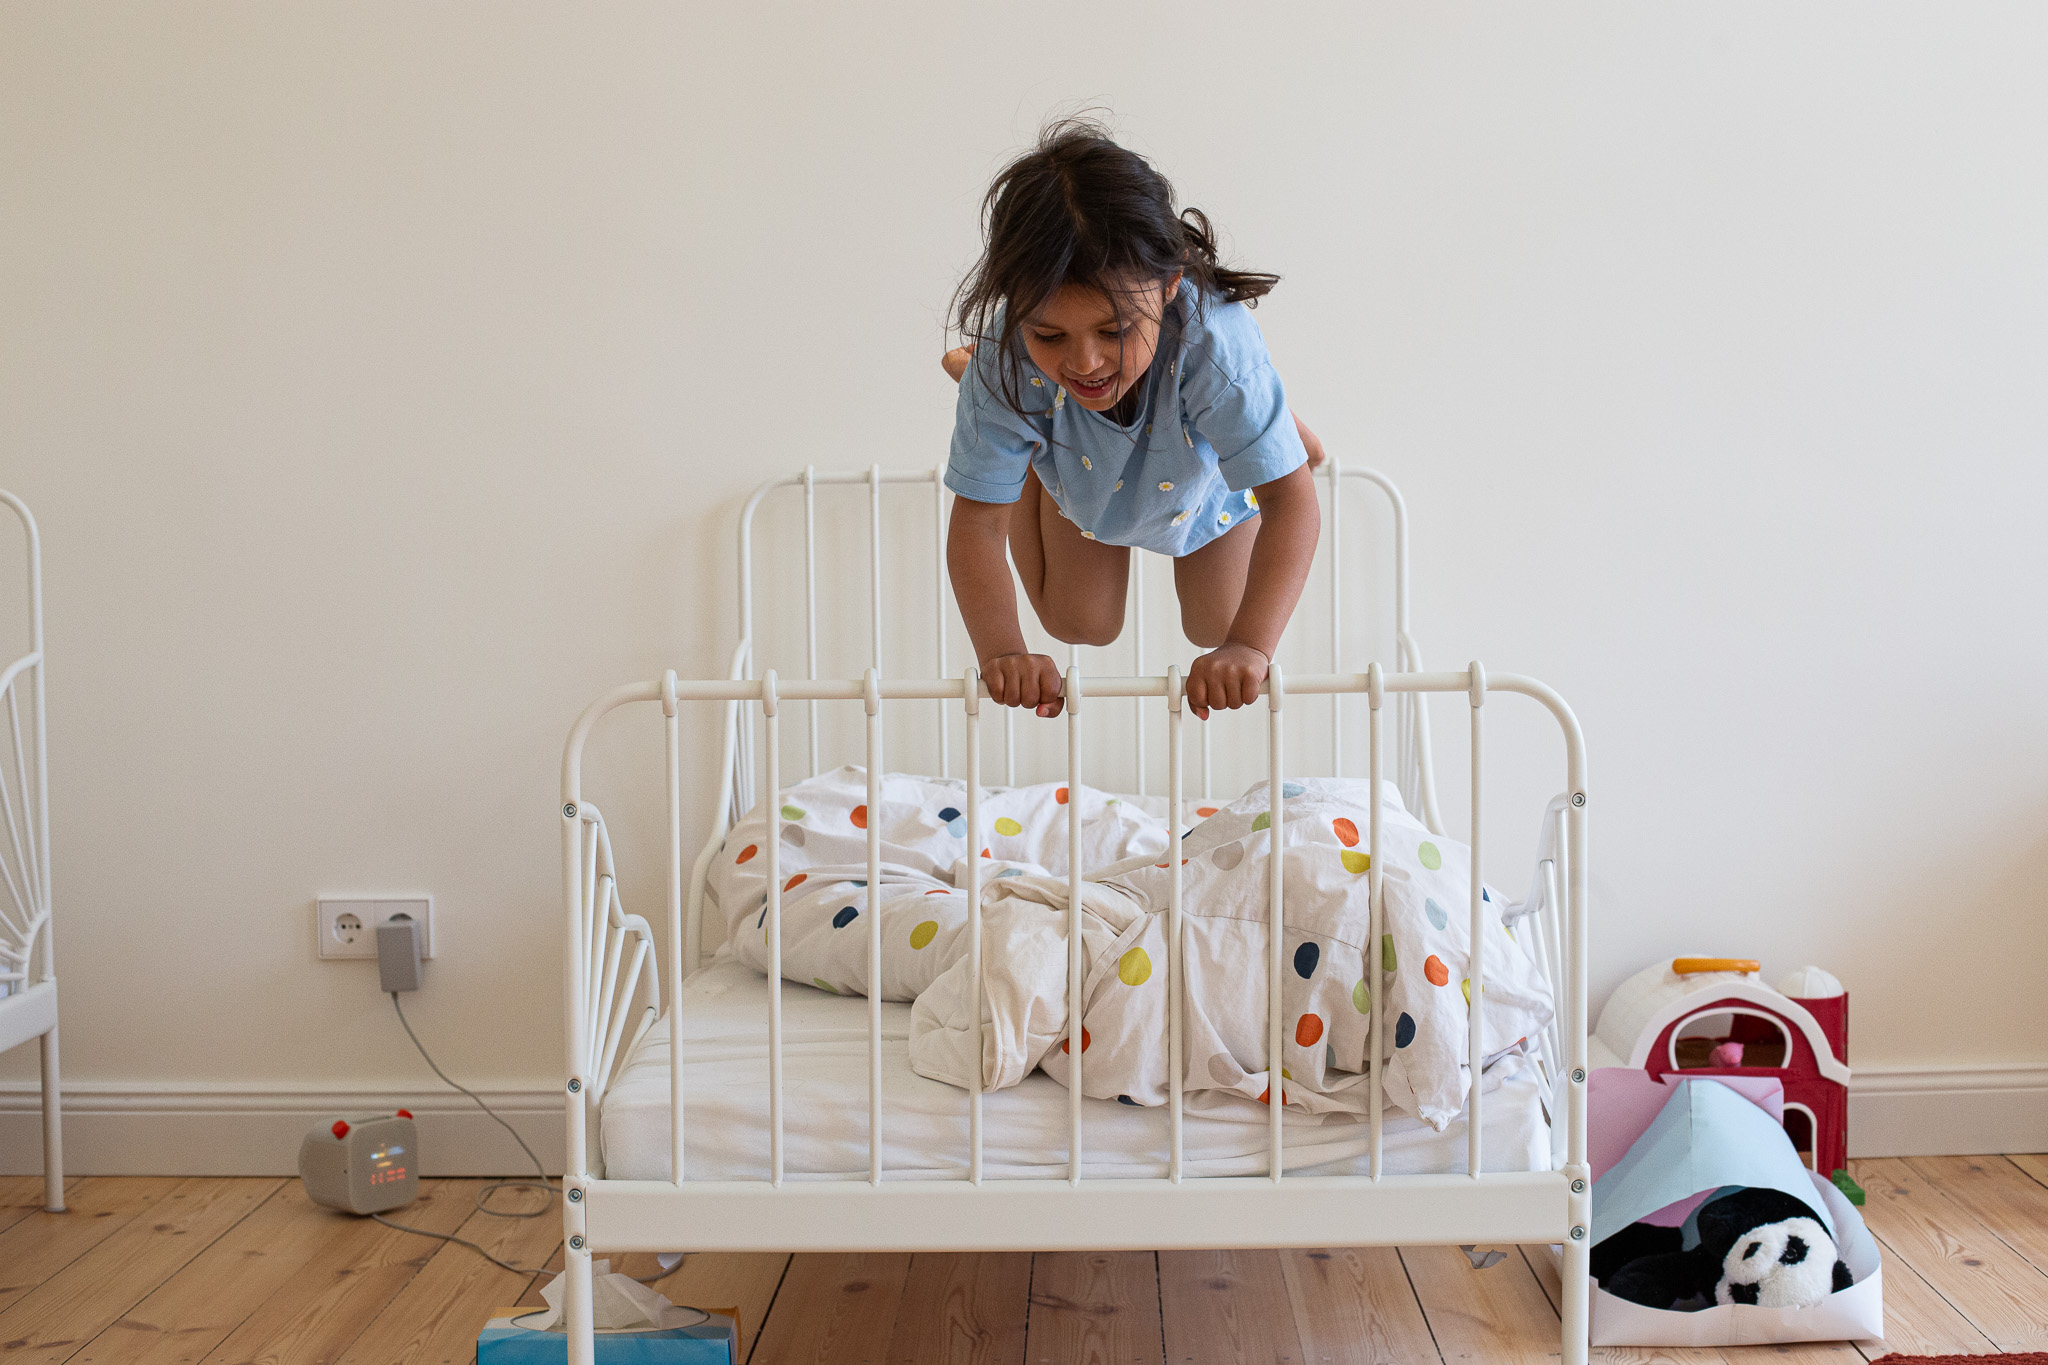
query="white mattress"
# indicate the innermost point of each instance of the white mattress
(924, 1122)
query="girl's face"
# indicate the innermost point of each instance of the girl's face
(1079, 341)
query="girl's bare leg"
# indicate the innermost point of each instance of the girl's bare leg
(1210, 584)
(1076, 585)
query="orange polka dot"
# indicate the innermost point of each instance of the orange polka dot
(1086, 1039)
(1434, 969)
(794, 882)
(1266, 1097)
(859, 817)
(747, 853)
(1205, 811)
(939, 892)
(1347, 833)
(985, 853)
(1061, 797)
(1308, 1029)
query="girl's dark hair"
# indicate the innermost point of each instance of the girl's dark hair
(1079, 209)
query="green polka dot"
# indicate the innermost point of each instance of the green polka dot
(1361, 998)
(1428, 856)
(1134, 968)
(822, 984)
(1354, 861)
(924, 933)
(1008, 826)
(1387, 962)
(1264, 820)
(792, 812)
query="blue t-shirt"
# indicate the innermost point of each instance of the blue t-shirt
(1211, 424)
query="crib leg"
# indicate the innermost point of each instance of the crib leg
(1577, 1289)
(53, 1127)
(581, 1324)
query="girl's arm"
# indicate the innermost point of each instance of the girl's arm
(975, 556)
(1289, 522)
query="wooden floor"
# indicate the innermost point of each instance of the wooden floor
(226, 1271)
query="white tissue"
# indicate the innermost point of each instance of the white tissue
(617, 1302)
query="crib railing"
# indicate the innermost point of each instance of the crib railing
(25, 950)
(1174, 1210)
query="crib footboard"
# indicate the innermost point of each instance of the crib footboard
(612, 997)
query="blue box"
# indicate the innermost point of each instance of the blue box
(713, 1341)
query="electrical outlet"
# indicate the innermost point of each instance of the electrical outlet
(346, 926)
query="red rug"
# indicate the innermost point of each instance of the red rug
(2022, 1357)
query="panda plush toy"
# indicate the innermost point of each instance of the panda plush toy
(1756, 1246)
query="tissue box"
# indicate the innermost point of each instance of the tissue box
(693, 1339)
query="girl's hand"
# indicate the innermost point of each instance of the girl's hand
(955, 362)
(1227, 678)
(1025, 680)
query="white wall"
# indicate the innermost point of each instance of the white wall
(386, 378)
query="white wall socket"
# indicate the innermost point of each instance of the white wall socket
(346, 926)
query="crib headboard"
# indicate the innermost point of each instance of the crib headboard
(1343, 565)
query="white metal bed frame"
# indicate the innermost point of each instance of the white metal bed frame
(28, 963)
(610, 987)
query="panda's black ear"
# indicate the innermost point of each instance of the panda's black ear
(1843, 1279)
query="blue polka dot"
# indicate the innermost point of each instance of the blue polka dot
(1305, 959)
(957, 828)
(1437, 917)
(950, 813)
(1126, 1099)
(1289, 790)
(860, 883)
(1009, 872)
(847, 915)
(1484, 894)
(1404, 1030)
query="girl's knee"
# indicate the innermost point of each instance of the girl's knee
(1077, 624)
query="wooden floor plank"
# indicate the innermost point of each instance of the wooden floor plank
(963, 1309)
(195, 1309)
(22, 1195)
(1218, 1307)
(2034, 1164)
(2002, 1196)
(42, 1244)
(1993, 1286)
(835, 1307)
(51, 1323)
(1919, 1321)
(434, 1319)
(1095, 1308)
(1499, 1316)
(354, 1272)
(1354, 1306)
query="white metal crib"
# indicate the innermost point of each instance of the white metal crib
(612, 992)
(28, 964)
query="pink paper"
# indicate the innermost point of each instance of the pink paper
(1622, 1102)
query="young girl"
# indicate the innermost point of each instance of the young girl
(1117, 395)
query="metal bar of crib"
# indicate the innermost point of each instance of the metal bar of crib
(939, 578)
(772, 744)
(1077, 1034)
(1475, 984)
(810, 597)
(871, 694)
(1276, 866)
(1138, 661)
(971, 702)
(1336, 616)
(1175, 987)
(671, 716)
(1375, 939)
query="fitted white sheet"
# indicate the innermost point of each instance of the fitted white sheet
(924, 1122)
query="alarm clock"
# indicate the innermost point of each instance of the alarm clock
(364, 1165)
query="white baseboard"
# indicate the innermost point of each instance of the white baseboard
(152, 1130)
(1949, 1111)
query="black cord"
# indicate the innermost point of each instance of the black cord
(483, 1195)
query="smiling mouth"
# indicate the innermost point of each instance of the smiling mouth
(1098, 389)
